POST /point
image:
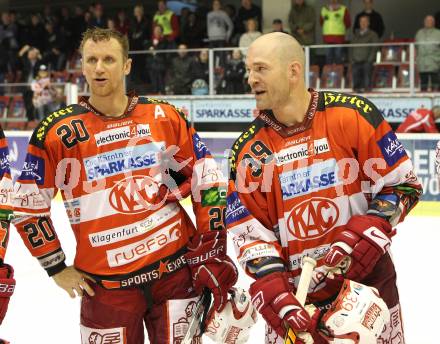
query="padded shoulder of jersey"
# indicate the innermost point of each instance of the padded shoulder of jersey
(241, 141)
(40, 132)
(351, 101)
(147, 100)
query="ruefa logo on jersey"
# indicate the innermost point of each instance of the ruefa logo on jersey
(134, 194)
(392, 149)
(121, 160)
(122, 134)
(313, 218)
(33, 169)
(309, 179)
(152, 243)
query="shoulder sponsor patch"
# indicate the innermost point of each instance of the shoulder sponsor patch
(309, 179)
(33, 169)
(392, 149)
(4, 161)
(235, 210)
(121, 160)
(214, 196)
(200, 148)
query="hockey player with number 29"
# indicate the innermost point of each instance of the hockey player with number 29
(122, 162)
(318, 174)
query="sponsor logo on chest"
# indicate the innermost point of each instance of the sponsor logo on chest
(121, 134)
(302, 151)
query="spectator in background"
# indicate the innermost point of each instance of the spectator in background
(219, 26)
(66, 28)
(111, 24)
(35, 34)
(167, 20)
(180, 81)
(428, 55)
(30, 61)
(200, 73)
(200, 66)
(44, 97)
(362, 57)
(98, 19)
(55, 46)
(250, 35)
(420, 121)
(246, 11)
(78, 26)
(48, 16)
(277, 26)
(376, 21)
(437, 19)
(183, 19)
(193, 31)
(139, 36)
(233, 79)
(122, 23)
(302, 22)
(335, 20)
(156, 62)
(8, 44)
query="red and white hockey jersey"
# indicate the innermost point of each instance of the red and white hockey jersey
(5, 194)
(108, 171)
(292, 189)
(418, 121)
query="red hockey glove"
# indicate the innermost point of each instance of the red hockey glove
(364, 240)
(7, 286)
(210, 266)
(273, 297)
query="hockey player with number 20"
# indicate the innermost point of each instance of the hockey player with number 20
(122, 163)
(318, 174)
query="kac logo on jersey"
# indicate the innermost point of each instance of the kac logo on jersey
(134, 194)
(392, 149)
(33, 169)
(313, 218)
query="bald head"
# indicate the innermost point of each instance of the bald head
(279, 46)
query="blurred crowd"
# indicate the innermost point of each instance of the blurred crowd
(50, 39)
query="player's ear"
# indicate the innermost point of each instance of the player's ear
(294, 71)
(127, 66)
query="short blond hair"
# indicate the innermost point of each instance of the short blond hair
(97, 34)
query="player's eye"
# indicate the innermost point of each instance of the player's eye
(109, 59)
(91, 60)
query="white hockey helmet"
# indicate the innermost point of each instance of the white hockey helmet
(358, 315)
(232, 324)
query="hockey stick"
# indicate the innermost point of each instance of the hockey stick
(197, 323)
(301, 295)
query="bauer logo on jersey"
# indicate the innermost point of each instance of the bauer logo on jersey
(392, 149)
(122, 134)
(122, 160)
(301, 151)
(309, 179)
(235, 210)
(199, 147)
(33, 169)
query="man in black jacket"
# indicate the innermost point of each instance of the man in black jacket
(376, 21)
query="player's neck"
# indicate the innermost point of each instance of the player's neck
(294, 111)
(113, 106)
